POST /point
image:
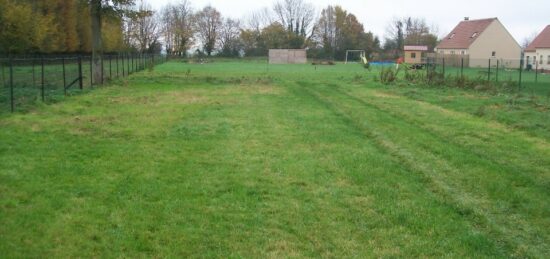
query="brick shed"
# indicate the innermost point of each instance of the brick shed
(287, 56)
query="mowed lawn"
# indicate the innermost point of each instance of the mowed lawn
(240, 159)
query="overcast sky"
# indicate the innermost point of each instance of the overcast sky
(521, 18)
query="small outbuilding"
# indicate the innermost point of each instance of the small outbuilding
(415, 54)
(287, 56)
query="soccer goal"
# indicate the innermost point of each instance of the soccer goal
(352, 55)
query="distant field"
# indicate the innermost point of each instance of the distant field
(241, 159)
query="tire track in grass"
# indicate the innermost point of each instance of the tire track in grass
(397, 155)
(536, 207)
(541, 180)
(535, 151)
(424, 161)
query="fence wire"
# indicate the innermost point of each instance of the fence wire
(507, 72)
(26, 81)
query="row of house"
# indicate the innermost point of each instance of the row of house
(479, 41)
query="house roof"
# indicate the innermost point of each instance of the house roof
(541, 41)
(465, 33)
(415, 48)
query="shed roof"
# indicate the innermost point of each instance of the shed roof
(541, 41)
(415, 48)
(465, 33)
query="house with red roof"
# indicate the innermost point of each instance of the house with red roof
(480, 41)
(537, 54)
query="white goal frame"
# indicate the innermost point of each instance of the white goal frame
(362, 53)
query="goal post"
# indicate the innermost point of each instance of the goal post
(361, 54)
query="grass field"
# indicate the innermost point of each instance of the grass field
(241, 159)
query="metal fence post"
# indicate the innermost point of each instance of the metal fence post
(128, 64)
(64, 80)
(33, 74)
(12, 101)
(102, 68)
(427, 67)
(537, 72)
(498, 63)
(110, 68)
(3, 73)
(80, 78)
(117, 55)
(443, 68)
(489, 71)
(42, 83)
(462, 67)
(91, 74)
(520, 72)
(122, 60)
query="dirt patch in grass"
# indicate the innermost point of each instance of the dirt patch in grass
(122, 100)
(252, 89)
(383, 95)
(183, 97)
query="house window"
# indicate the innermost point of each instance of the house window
(528, 60)
(413, 55)
(462, 52)
(494, 54)
(474, 35)
(548, 60)
(540, 61)
(452, 52)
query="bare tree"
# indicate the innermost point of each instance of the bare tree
(326, 30)
(177, 28)
(259, 19)
(143, 28)
(527, 40)
(409, 31)
(295, 15)
(208, 23)
(229, 37)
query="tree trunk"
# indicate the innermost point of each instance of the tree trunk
(97, 41)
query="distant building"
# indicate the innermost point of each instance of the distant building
(287, 56)
(537, 54)
(481, 40)
(415, 54)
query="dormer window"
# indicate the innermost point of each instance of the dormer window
(474, 35)
(452, 36)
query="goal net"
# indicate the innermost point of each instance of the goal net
(355, 56)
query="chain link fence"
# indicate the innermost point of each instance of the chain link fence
(26, 81)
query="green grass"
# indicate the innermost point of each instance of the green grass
(240, 159)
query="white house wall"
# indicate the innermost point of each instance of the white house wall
(540, 53)
(495, 39)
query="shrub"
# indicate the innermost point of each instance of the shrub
(388, 75)
(481, 111)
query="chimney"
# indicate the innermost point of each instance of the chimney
(466, 18)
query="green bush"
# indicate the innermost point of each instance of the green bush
(388, 75)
